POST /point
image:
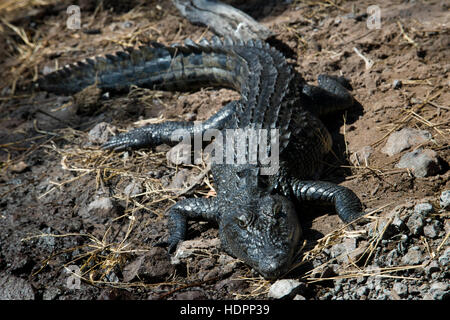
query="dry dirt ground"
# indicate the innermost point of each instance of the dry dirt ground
(80, 223)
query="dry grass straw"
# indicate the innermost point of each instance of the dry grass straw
(409, 116)
(23, 51)
(23, 64)
(8, 8)
(122, 168)
(100, 257)
(27, 49)
(357, 264)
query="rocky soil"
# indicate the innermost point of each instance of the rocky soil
(80, 223)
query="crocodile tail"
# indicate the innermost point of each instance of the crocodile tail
(155, 66)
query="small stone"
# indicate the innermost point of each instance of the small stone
(345, 250)
(14, 288)
(400, 288)
(211, 274)
(422, 162)
(51, 293)
(111, 277)
(180, 154)
(397, 223)
(423, 209)
(101, 133)
(431, 231)
(391, 257)
(397, 84)
(127, 24)
(438, 291)
(188, 248)
(394, 227)
(362, 291)
(361, 157)
(337, 288)
(151, 266)
(132, 189)
(337, 250)
(227, 263)
(182, 179)
(415, 224)
(413, 256)
(444, 199)
(284, 288)
(19, 167)
(102, 207)
(101, 203)
(299, 297)
(432, 267)
(444, 258)
(404, 139)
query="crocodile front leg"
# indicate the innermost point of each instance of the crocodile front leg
(346, 203)
(179, 213)
(156, 134)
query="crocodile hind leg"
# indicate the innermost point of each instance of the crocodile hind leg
(330, 96)
(156, 134)
(346, 203)
(179, 213)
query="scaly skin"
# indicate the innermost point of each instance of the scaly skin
(256, 214)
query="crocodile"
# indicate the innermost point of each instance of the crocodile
(257, 214)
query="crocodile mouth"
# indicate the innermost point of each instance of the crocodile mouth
(279, 265)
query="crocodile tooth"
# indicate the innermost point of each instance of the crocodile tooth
(240, 42)
(250, 43)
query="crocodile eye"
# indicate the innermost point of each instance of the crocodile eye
(243, 221)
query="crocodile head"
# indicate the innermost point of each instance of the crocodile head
(264, 234)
